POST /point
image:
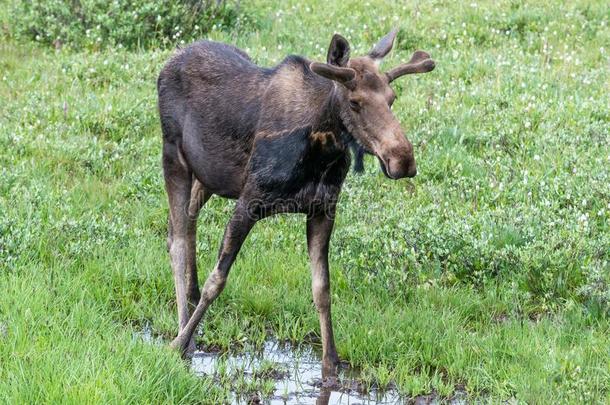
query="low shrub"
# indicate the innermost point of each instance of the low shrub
(98, 24)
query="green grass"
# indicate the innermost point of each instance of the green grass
(489, 270)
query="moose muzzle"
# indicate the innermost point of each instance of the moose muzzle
(398, 160)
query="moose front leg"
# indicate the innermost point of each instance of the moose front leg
(236, 231)
(319, 229)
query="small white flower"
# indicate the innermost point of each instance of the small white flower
(536, 157)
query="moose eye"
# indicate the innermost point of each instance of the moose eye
(354, 105)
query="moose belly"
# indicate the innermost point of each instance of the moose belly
(217, 164)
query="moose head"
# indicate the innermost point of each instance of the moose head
(365, 98)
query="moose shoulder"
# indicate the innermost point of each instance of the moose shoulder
(277, 140)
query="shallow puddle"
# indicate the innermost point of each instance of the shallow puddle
(296, 377)
(292, 375)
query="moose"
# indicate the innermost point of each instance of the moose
(276, 140)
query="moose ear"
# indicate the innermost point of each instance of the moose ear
(338, 51)
(384, 46)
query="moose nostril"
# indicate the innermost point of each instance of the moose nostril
(388, 167)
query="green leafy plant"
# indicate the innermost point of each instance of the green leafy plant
(132, 24)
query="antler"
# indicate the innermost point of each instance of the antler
(420, 63)
(332, 72)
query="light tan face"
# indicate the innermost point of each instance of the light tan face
(366, 112)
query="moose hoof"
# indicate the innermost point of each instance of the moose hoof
(329, 368)
(179, 343)
(185, 347)
(176, 344)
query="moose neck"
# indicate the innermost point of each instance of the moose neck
(330, 117)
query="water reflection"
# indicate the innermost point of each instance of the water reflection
(296, 377)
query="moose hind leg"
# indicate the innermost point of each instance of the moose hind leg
(235, 234)
(181, 240)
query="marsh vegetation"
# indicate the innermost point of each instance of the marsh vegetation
(489, 272)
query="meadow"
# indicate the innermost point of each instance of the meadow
(489, 272)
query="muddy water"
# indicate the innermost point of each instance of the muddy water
(297, 378)
(296, 373)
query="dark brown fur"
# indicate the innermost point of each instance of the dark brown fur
(277, 141)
